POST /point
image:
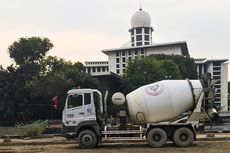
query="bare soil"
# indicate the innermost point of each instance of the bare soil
(222, 146)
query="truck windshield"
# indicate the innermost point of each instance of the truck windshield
(74, 101)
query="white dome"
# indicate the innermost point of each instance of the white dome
(140, 19)
(126, 45)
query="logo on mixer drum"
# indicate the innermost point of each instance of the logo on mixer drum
(155, 89)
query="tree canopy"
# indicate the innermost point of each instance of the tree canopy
(29, 50)
(157, 67)
(185, 64)
(29, 85)
(143, 71)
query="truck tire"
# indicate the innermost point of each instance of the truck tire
(87, 139)
(183, 137)
(156, 137)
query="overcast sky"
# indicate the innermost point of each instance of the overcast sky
(80, 29)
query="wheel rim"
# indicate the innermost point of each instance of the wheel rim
(157, 137)
(183, 137)
(87, 139)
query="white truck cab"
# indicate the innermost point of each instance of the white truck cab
(82, 108)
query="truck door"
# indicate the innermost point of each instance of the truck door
(89, 107)
(75, 112)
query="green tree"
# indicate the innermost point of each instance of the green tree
(57, 78)
(27, 54)
(142, 71)
(186, 65)
(29, 50)
(29, 84)
(171, 70)
(4, 81)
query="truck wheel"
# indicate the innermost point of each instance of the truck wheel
(87, 139)
(183, 137)
(156, 137)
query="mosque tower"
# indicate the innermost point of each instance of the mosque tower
(141, 31)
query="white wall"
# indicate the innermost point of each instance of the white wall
(168, 50)
(112, 61)
(224, 86)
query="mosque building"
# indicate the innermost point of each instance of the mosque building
(141, 44)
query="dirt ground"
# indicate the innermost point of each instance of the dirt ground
(222, 146)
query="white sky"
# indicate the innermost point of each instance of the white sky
(80, 29)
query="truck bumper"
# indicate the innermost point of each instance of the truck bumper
(69, 132)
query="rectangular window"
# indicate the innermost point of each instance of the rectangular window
(216, 68)
(117, 60)
(94, 69)
(74, 101)
(103, 69)
(142, 51)
(216, 63)
(117, 54)
(88, 69)
(216, 77)
(218, 95)
(123, 53)
(132, 32)
(217, 86)
(123, 59)
(146, 43)
(200, 70)
(98, 69)
(139, 37)
(216, 73)
(138, 30)
(118, 66)
(130, 52)
(146, 30)
(147, 37)
(132, 39)
(130, 59)
(136, 52)
(87, 99)
(118, 71)
(123, 65)
(139, 43)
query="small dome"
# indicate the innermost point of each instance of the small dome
(126, 45)
(140, 19)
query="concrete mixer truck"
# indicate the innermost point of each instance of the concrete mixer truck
(167, 110)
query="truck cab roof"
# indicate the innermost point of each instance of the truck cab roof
(81, 91)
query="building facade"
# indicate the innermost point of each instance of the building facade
(219, 70)
(120, 57)
(141, 44)
(97, 68)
